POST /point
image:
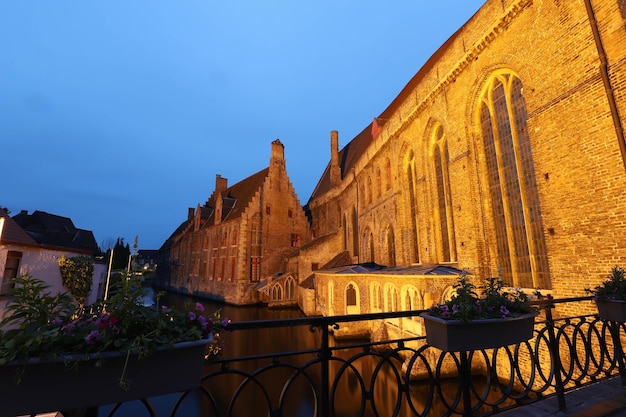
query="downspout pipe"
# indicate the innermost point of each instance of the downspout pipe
(604, 73)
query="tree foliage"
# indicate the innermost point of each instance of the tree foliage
(121, 252)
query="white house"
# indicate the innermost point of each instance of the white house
(37, 251)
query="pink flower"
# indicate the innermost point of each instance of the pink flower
(102, 321)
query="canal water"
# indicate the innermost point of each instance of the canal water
(236, 344)
(300, 398)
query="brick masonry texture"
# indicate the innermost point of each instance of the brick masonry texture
(573, 92)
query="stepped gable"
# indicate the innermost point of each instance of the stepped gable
(58, 231)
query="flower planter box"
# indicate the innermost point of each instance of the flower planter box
(612, 310)
(54, 385)
(458, 336)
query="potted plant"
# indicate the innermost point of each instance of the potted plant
(610, 296)
(55, 355)
(500, 316)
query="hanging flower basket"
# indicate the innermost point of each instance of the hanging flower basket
(459, 335)
(62, 384)
(612, 310)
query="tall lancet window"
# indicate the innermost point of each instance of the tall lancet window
(515, 209)
(444, 201)
(411, 186)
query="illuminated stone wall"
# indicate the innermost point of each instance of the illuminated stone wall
(577, 172)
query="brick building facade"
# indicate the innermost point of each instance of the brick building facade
(239, 237)
(504, 155)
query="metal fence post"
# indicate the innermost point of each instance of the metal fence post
(618, 350)
(324, 356)
(554, 352)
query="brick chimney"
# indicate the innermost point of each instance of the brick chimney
(335, 170)
(277, 160)
(221, 183)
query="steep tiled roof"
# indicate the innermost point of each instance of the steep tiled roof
(12, 233)
(172, 238)
(237, 197)
(341, 259)
(58, 231)
(355, 148)
(348, 156)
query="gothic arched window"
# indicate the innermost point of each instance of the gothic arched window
(516, 212)
(411, 186)
(444, 201)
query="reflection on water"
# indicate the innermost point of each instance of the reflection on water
(367, 385)
(236, 344)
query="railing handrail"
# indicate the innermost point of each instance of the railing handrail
(332, 320)
(564, 354)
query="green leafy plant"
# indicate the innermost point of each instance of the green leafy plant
(495, 301)
(77, 275)
(613, 288)
(38, 324)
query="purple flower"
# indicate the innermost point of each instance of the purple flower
(445, 315)
(504, 311)
(455, 308)
(203, 322)
(57, 321)
(199, 307)
(225, 322)
(93, 337)
(444, 307)
(165, 308)
(68, 329)
(192, 316)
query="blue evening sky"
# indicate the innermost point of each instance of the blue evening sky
(118, 114)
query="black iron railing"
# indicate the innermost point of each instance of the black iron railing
(402, 376)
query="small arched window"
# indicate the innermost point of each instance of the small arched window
(350, 295)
